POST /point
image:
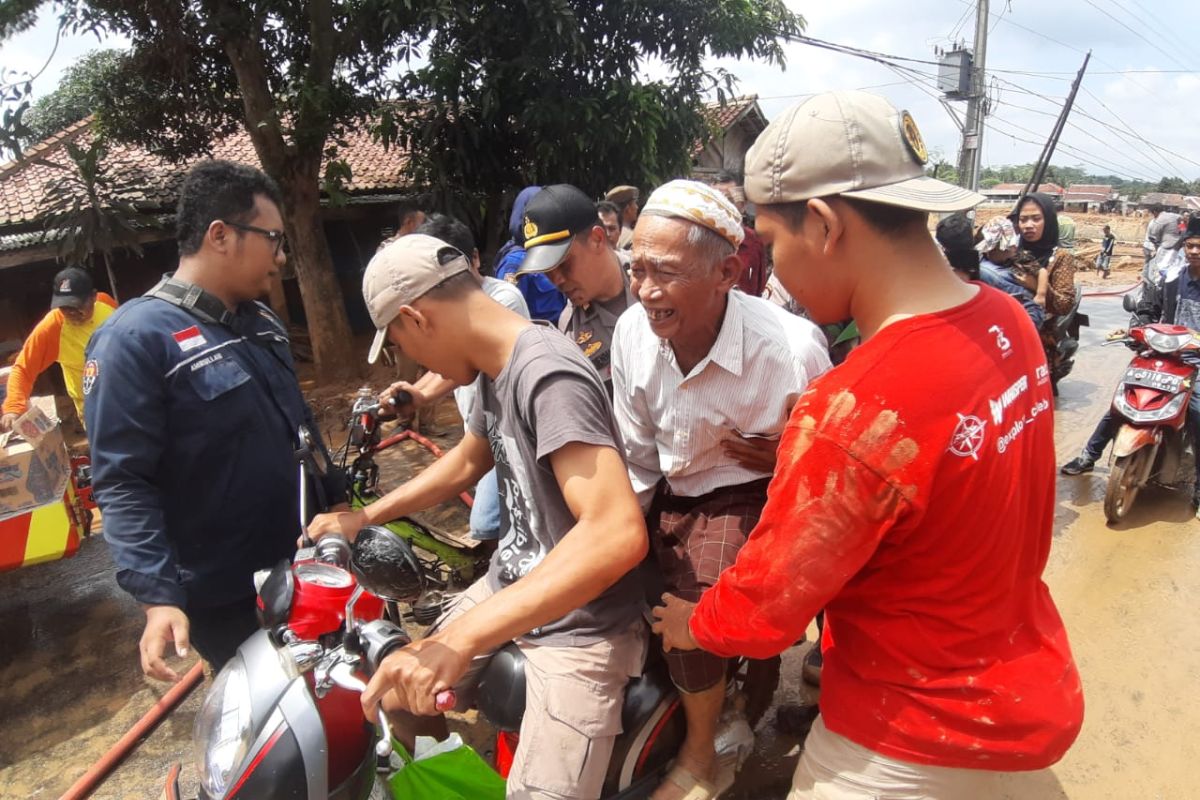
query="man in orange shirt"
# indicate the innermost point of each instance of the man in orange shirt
(76, 310)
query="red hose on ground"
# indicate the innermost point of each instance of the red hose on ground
(88, 782)
(1114, 292)
(428, 445)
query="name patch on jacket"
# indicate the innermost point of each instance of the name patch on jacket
(189, 338)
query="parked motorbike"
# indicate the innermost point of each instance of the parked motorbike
(1060, 341)
(1152, 401)
(283, 718)
(448, 561)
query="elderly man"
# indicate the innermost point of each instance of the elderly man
(565, 241)
(703, 378)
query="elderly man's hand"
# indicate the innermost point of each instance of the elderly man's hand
(347, 523)
(671, 623)
(7, 421)
(752, 452)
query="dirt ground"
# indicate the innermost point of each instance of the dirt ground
(70, 684)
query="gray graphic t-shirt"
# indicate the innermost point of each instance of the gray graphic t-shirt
(546, 397)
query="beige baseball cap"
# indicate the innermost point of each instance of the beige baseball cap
(402, 272)
(848, 143)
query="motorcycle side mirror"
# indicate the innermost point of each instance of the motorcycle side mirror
(1128, 303)
(311, 450)
(386, 565)
(275, 596)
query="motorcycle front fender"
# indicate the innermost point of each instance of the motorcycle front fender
(1131, 438)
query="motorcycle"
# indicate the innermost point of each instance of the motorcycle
(283, 718)
(1152, 403)
(1060, 341)
(449, 561)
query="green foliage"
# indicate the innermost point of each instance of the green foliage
(1065, 176)
(88, 208)
(543, 91)
(74, 97)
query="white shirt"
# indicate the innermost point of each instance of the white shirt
(673, 425)
(511, 298)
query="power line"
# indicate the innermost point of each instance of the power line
(1135, 32)
(1148, 19)
(1138, 135)
(1082, 155)
(1124, 134)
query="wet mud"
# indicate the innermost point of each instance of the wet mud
(70, 683)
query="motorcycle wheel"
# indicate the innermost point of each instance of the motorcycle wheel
(1124, 482)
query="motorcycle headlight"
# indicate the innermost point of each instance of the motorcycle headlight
(222, 735)
(1167, 342)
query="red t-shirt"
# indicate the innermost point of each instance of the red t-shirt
(914, 501)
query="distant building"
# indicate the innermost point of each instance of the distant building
(735, 126)
(1006, 194)
(1171, 202)
(1090, 198)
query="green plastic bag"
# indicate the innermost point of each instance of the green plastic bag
(448, 770)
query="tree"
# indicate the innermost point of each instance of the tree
(295, 75)
(88, 209)
(518, 92)
(74, 97)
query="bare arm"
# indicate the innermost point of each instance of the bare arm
(608, 539)
(458, 470)
(1043, 285)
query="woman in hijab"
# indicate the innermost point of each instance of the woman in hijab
(1037, 222)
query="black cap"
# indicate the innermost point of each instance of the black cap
(1193, 227)
(553, 216)
(72, 288)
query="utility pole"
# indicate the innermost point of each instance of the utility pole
(1043, 163)
(969, 156)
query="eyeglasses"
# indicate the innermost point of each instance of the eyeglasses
(278, 237)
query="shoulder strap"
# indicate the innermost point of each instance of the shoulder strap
(192, 299)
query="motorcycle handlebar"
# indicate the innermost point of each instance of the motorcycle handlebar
(379, 639)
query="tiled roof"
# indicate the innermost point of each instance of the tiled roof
(1017, 188)
(1089, 188)
(22, 183)
(724, 117)
(1164, 198)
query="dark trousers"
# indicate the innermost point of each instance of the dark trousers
(217, 632)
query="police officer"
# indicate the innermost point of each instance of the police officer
(192, 400)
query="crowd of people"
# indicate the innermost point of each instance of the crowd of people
(647, 388)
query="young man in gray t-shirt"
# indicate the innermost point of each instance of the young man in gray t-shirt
(560, 584)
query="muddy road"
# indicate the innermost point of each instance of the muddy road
(70, 683)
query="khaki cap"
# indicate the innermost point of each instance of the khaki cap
(848, 143)
(402, 272)
(622, 194)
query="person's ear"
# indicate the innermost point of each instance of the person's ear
(219, 235)
(825, 221)
(597, 236)
(410, 315)
(729, 270)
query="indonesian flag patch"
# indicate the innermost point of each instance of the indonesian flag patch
(189, 338)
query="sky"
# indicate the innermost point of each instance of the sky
(1137, 114)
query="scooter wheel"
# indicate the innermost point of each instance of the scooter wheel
(1124, 482)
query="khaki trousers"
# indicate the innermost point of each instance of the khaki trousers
(835, 768)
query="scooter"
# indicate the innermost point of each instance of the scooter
(1060, 341)
(283, 719)
(1152, 401)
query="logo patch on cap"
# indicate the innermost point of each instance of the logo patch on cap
(91, 371)
(531, 228)
(912, 137)
(64, 286)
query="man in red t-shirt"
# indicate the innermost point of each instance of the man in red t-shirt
(914, 494)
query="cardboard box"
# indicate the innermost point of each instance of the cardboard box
(33, 475)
